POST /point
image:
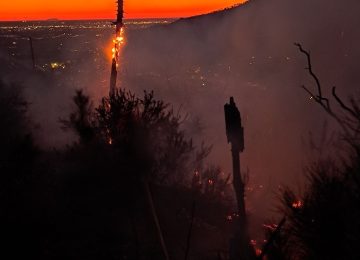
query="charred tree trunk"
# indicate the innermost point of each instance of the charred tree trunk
(113, 77)
(240, 248)
(32, 52)
(238, 183)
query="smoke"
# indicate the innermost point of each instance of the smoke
(248, 53)
(197, 64)
(79, 47)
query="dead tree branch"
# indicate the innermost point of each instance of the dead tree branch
(342, 104)
(320, 99)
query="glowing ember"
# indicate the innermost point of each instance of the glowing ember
(297, 204)
(109, 138)
(57, 65)
(271, 227)
(232, 216)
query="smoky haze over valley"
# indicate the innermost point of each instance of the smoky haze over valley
(248, 52)
(196, 64)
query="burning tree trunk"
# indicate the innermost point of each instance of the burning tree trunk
(118, 41)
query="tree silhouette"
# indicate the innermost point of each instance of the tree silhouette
(143, 130)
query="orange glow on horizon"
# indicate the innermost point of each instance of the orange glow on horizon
(106, 9)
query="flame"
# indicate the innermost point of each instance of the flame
(118, 43)
(115, 45)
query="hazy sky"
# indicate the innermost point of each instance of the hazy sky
(84, 9)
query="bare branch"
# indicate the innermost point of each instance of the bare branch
(310, 93)
(322, 101)
(341, 103)
(309, 68)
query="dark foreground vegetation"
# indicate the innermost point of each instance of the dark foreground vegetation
(100, 198)
(130, 188)
(324, 221)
